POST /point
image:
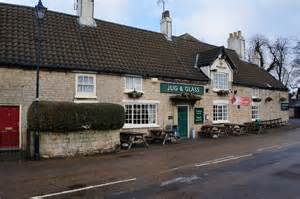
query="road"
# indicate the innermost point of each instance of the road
(269, 173)
(254, 166)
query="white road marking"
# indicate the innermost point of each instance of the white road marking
(180, 180)
(83, 189)
(268, 148)
(223, 160)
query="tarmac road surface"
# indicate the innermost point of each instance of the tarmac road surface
(270, 173)
(253, 166)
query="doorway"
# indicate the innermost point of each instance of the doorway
(183, 121)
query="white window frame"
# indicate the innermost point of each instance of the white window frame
(139, 78)
(132, 125)
(216, 83)
(82, 95)
(255, 115)
(223, 120)
(255, 92)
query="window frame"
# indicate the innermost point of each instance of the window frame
(215, 113)
(82, 95)
(216, 85)
(127, 90)
(255, 93)
(141, 125)
(257, 112)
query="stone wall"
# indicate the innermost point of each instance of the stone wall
(53, 145)
(17, 87)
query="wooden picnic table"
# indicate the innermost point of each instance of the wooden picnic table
(217, 130)
(161, 135)
(131, 138)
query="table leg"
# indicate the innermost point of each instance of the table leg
(166, 137)
(145, 142)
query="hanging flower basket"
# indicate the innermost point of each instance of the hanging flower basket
(223, 93)
(256, 99)
(135, 94)
(268, 99)
(185, 97)
(282, 99)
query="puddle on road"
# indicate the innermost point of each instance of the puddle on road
(292, 173)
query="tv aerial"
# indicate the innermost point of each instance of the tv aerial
(163, 3)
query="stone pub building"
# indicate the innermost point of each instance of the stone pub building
(159, 78)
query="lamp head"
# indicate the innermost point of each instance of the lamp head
(40, 10)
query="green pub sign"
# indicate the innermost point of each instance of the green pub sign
(199, 116)
(181, 88)
(284, 106)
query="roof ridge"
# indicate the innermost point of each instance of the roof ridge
(73, 15)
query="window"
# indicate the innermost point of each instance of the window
(220, 113)
(220, 81)
(133, 83)
(140, 114)
(85, 86)
(255, 92)
(255, 112)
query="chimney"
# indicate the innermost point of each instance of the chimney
(166, 25)
(255, 59)
(85, 11)
(237, 42)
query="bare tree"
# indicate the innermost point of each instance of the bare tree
(275, 57)
(279, 51)
(258, 44)
(295, 77)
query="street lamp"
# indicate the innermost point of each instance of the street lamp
(40, 13)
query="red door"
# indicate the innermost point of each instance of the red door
(9, 127)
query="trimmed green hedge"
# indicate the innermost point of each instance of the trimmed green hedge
(69, 117)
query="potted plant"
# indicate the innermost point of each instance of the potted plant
(256, 99)
(223, 93)
(135, 94)
(282, 99)
(268, 99)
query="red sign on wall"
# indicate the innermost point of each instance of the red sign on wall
(242, 101)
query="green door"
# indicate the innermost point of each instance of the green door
(183, 121)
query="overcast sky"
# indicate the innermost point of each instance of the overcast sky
(208, 20)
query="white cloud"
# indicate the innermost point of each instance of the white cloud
(212, 21)
(112, 10)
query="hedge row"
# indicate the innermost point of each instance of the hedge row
(67, 117)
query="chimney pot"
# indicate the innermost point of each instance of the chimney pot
(166, 14)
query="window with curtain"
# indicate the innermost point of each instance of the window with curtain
(85, 86)
(220, 81)
(133, 83)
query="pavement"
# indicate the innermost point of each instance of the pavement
(253, 166)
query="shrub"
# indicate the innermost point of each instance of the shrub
(67, 117)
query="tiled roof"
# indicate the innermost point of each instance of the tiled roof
(108, 48)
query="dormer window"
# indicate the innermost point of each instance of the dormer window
(220, 81)
(133, 83)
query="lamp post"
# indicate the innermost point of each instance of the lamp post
(40, 13)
